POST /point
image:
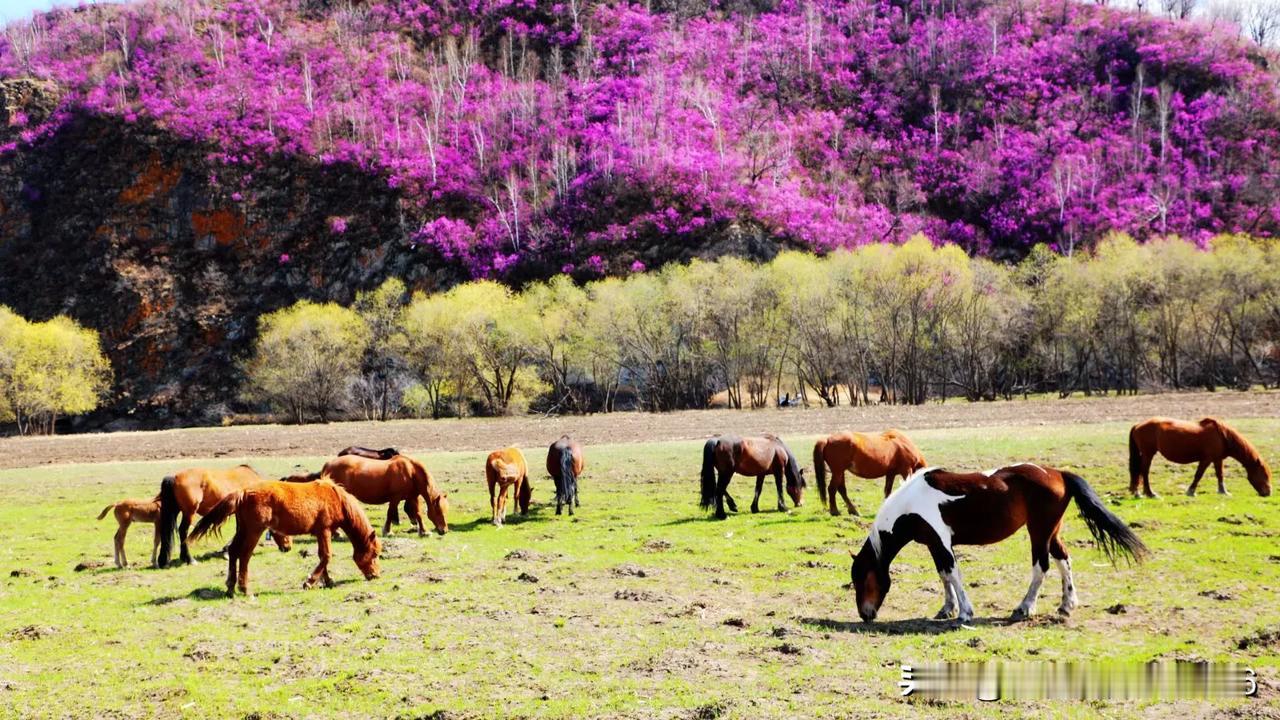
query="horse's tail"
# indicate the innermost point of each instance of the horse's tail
(709, 474)
(568, 481)
(211, 524)
(820, 468)
(1135, 455)
(1109, 532)
(168, 517)
(106, 510)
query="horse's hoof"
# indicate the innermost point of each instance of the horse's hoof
(1064, 611)
(1151, 495)
(943, 615)
(1018, 614)
(1190, 493)
(1224, 492)
(754, 509)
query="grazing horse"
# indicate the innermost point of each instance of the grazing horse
(564, 465)
(940, 510)
(400, 479)
(504, 469)
(886, 455)
(132, 511)
(315, 508)
(195, 491)
(724, 455)
(1205, 442)
(383, 454)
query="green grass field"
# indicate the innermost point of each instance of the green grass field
(639, 606)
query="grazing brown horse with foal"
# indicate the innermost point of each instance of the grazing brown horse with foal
(399, 479)
(564, 465)
(725, 455)
(889, 455)
(503, 470)
(130, 511)
(941, 509)
(314, 508)
(195, 491)
(1207, 442)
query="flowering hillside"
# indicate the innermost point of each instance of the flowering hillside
(567, 135)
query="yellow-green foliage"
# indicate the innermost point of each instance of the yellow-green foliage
(48, 369)
(306, 357)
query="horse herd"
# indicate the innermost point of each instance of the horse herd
(934, 507)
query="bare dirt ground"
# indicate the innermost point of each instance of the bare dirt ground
(489, 433)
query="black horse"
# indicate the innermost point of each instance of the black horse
(564, 465)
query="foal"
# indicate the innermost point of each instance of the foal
(130, 511)
(940, 510)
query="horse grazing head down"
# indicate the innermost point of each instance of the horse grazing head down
(1239, 447)
(365, 545)
(1260, 478)
(794, 473)
(870, 581)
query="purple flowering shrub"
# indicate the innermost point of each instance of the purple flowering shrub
(576, 134)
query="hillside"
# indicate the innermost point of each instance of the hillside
(170, 170)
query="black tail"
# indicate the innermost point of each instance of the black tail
(1135, 457)
(1111, 535)
(709, 474)
(820, 469)
(568, 481)
(168, 517)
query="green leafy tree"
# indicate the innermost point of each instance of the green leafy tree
(47, 370)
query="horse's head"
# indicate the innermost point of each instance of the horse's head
(1260, 477)
(438, 512)
(795, 487)
(366, 555)
(870, 581)
(284, 542)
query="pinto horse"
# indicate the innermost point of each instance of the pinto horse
(564, 465)
(1205, 442)
(315, 508)
(724, 455)
(400, 479)
(195, 491)
(886, 455)
(503, 470)
(940, 510)
(128, 512)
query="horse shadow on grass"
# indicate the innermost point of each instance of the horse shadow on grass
(536, 514)
(210, 593)
(915, 626)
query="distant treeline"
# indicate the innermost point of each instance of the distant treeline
(883, 323)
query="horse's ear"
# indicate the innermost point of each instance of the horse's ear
(373, 535)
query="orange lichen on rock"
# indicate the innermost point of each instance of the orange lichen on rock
(156, 180)
(224, 226)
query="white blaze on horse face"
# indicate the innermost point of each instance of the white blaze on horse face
(914, 497)
(1069, 600)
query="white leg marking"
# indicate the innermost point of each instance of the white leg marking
(1028, 604)
(1069, 601)
(948, 599)
(954, 579)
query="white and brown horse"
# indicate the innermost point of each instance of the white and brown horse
(1209, 441)
(940, 510)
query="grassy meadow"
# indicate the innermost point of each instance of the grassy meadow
(639, 606)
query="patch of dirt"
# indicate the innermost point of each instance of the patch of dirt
(1233, 520)
(522, 555)
(32, 632)
(638, 595)
(629, 570)
(360, 596)
(735, 622)
(89, 565)
(535, 430)
(1118, 609)
(656, 545)
(1261, 639)
(1217, 595)
(21, 572)
(527, 577)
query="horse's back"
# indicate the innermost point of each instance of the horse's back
(507, 463)
(1179, 441)
(372, 480)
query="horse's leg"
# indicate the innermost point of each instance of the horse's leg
(888, 482)
(837, 482)
(323, 552)
(948, 600)
(1039, 566)
(121, 560)
(413, 508)
(722, 488)
(493, 505)
(560, 490)
(233, 555)
(155, 543)
(248, 544)
(1146, 478)
(1059, 552)
(183, 527)
(755, 502)
(1191, 489)
(1217, 469)
(502, 502)
(728, 499)
(844, 493)
(944, 560)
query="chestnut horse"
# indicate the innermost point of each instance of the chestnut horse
(503, 470)
(725, 455)
(195, 491)
(564, 465)
(400, 479)
(315, 508)
(886, 455)
(131, 511)
(1205, 442)
(940, 510)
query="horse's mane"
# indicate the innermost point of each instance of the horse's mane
(793, 465)
(1237, 445)
(357, 523)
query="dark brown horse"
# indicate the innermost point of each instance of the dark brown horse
(315, 508)
(759, 456)
(1206, 442)
(564, 465)
(940, 510)
(383, 454)
(889, 454)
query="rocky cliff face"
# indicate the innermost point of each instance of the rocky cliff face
(172, 256)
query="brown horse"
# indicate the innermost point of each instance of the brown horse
(725, 455)
(564, 465)
(1205, 442)
(195, 491)
(889, 455)
(940, 510)
(506, 469)
(400, 479)
(131, 511)
(315, 508)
